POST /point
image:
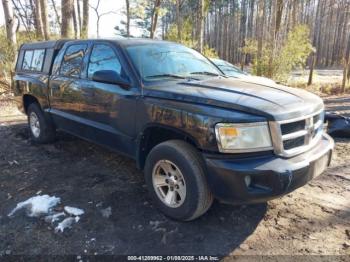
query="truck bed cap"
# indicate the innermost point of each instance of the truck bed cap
(55, 44)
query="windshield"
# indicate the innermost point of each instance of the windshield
(228, 69)
(174, 61)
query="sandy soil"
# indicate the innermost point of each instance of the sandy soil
(314, 219)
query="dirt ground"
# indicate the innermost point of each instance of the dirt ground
(314, 219)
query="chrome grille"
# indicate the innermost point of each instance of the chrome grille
(292, 137)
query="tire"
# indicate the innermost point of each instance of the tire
(41, 128)
(173, 155)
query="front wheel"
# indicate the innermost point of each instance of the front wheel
(176, 178)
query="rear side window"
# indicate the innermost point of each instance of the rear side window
(33, 60)
(27, 61)
(72, 60)
(38, 60)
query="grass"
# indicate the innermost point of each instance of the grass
(327, 83)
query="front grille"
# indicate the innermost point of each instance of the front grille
(293, 137)
(316, 118)
(292, 127)
(295, 142)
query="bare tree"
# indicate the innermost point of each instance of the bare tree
(23, 16)
(58, 18)
(99, 16)
(44, 17)
(10, 22)
(84, 29)
(67, 18)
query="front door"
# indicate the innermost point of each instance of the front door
(100, 112)
(110, 108)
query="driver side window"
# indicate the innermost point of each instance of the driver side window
(103, 57)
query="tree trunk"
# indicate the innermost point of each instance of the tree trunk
(127, 2)
(85, 31)
(67, 18)
(75, 22)
(316, 30)
(38, 20)
(242, 30)
(260, 35)
(278, 16)
(295, 12)
(10, 22)
(178, 19)
(155, 18)
(346, 64)
(44, 17)
(200, 25)
(79, 17)
(98, 27)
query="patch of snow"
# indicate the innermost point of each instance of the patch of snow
(43, 206)
(67, 223)
(54, 217)
(37, 206)
(74, 211)
(107, 212)
(155, 224)
(13, 162)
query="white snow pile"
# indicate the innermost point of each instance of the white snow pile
(66, 223)
(74, 211)
(42, 206)
(107, 212)
(54, 217)
(37, 206)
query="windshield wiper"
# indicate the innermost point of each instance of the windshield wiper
(205, 73)
(166, 75)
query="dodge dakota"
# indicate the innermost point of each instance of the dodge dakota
(196, 133)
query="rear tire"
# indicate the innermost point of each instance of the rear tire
(175, 175)
(41, 127)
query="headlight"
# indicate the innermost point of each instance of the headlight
(245, 137)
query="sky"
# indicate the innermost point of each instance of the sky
(107, 22)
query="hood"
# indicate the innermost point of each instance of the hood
(275, 102)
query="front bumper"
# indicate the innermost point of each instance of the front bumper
(271, 176)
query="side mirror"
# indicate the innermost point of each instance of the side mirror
(110, 77)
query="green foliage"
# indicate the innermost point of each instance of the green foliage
(7, 55)
(187, 39)
(278, 63)
(8, 52)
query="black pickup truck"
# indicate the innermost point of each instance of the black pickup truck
(197, 134)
